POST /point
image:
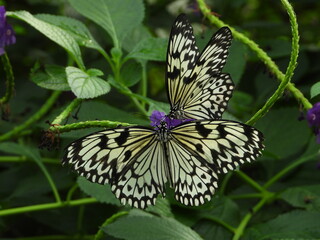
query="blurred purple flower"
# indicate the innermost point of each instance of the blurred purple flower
(7, 35)
(313, 118)
(157, 117)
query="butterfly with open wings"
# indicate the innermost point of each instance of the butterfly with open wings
(187, 148)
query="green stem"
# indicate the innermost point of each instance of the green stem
(244, 222)
(224, 183)
(222, 223)
(250, 181)
(71, 191)
(111, 219)
(144, 83)
(58, 237)
(106, 56)
(26, 159)
(87, 124)
(46, 206)
(50, 181)
(288, 169)
(245, 196)
(290, 69)
(265, 58)
(9, 79)
(66, 112)
(34, 118)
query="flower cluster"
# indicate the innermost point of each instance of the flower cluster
(313, 118)
(7, 35)
(157, 117)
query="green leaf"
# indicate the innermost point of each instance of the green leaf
(93, 72)
(29, 152)
(74, 27)
(53, 77)
(236, 61)
(135, 37)
(150, 49)
(85, 86)
(315, 90)
(224, 210)
(131, 73)
(161, 208)
(118, 18)
(281, 129)
(139, 225)
(276, 48)
(100, 192)
(293, 225)
(56, 34)
(307, 197)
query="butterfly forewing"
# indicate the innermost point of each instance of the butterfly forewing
(223, 144)
(130, 159)
(182, 54)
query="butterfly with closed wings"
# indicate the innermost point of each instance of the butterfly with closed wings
(187, 148)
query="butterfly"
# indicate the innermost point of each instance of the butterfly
(187, 148)
(196, 88)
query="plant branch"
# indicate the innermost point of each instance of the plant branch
(46, 206)
(266, 59)
(9, 79)
(111, 219)
(34, 118)
(87, 124)
(66, 112)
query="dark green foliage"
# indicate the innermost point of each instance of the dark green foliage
(111, 54)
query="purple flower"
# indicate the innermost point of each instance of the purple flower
(158, 117)
(313, 118)
(7, 35)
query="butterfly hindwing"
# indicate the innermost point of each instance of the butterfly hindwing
(130, 159)
(192, 180)
(209, 98)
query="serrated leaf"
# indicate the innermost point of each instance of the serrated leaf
(140, 225)
(53, 77)
(150, 49)
(85, 86)
(100, 192)
(315, 90)
(293, 225)
(74, 27)
(55, 33)
(118, 18)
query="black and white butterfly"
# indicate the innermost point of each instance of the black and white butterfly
(189, 147)
(196, 87)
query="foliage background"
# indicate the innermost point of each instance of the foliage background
(275, 197)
